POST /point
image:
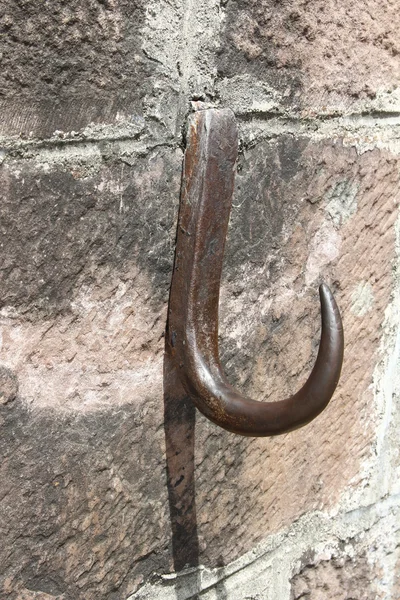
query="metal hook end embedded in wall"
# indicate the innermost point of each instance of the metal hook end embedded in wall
(192, 331)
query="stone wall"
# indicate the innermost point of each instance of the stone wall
(94, 97)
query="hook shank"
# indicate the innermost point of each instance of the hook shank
(192, 330)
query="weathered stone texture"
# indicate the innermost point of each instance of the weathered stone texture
(361, 567)
(8, 385)
(82, 215)
(337, 579)
(93, 97)
(89, 250)
(85, 289)
(316, 54)
(66, 66)
(83, 511)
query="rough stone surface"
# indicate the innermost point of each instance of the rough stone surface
(91, 231)
(83, 321)
(315, 54)
(344, 578)
(93, 98)
(8, 385)
(56, 45)
(76, 65)
(82, 513)
(83, 214)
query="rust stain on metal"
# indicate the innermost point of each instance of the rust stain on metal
(192, 364)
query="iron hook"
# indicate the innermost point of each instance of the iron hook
(191, 349)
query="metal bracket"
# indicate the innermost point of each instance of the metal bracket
(192, 366)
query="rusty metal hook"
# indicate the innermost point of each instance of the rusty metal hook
(192, 362)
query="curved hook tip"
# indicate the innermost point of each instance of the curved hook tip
(330, 313)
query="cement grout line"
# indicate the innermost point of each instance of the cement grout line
(36, 144)
(314, 116)
(124, 149)
(308, 531)
(252, 131)
(273, 125)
